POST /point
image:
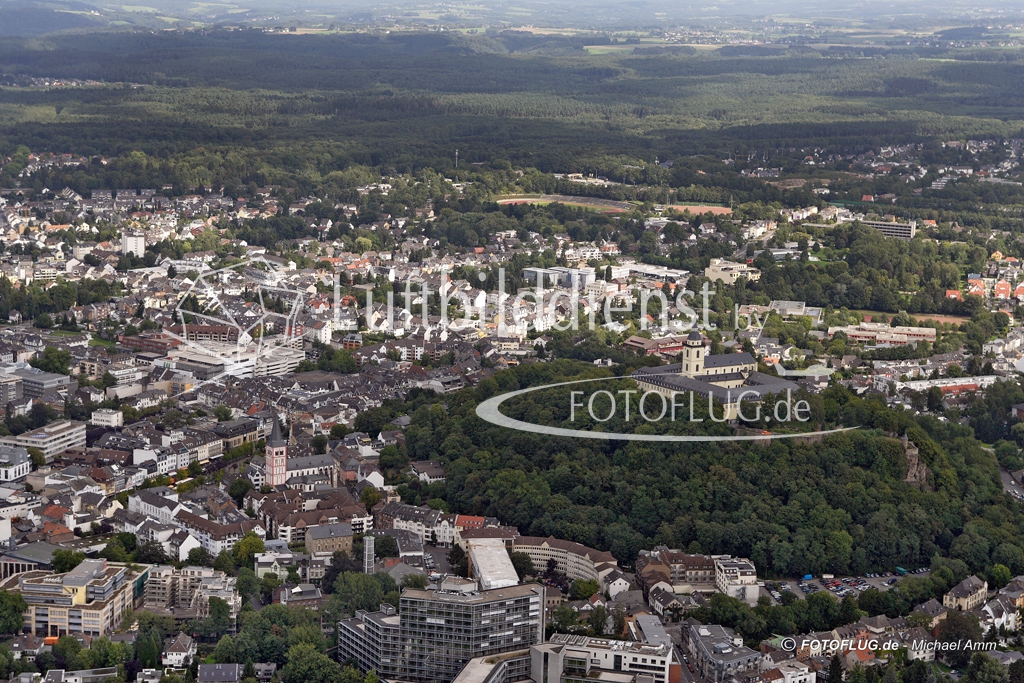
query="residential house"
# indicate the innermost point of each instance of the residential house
(966, 595)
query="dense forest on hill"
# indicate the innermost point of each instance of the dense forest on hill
(839, 506)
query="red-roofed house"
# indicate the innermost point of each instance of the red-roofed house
(57, 533)
(463, 522)
(861, 654)
(1002, 290)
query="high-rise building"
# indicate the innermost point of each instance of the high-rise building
(10, 388)
(438, 631)
(276, 457)
(133, 243)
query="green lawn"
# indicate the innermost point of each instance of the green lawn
(96, 341)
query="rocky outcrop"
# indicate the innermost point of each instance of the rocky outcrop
(917, 471)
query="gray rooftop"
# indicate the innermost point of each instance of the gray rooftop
(340, 530)
(40, 552)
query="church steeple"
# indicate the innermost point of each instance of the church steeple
(693, 355)
(275, 434)
(276, 456)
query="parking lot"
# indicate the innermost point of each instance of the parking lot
(1010, 485)
(435, 559)
(838, 586)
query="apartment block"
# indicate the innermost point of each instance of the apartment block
(15, 463)
(737, 578)
(213, 536)
(719, 654)
(90, 599)
(900, 231)
(185, 593)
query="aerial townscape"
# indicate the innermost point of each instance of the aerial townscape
(394, 342)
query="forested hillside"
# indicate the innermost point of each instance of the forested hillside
(840, 506)
(410, 98)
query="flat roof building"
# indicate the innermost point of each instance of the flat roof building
(105, 417)
(437, 632)
(737, 578)
(900, 231)
(36, 382)
(38, 555)
(15, 463)
(91, 599)
(570, 657)
(490, 564)
(719, 654)
(52, 439)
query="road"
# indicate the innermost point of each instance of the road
(687, 677)
(675, 631)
